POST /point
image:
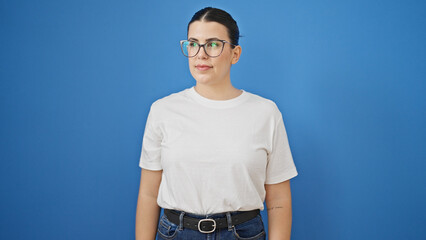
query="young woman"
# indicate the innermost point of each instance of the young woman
(212, 154)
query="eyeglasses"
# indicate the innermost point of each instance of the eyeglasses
(212, 48)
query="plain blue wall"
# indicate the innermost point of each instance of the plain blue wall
(78, 78)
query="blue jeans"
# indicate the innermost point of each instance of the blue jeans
(250, 230)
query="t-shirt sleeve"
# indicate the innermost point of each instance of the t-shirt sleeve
(150, 157)
(280, 166)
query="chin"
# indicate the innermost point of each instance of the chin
(202, 78)
(202, 81)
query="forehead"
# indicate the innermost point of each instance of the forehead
(205, 30)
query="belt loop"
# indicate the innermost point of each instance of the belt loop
(229, 220)
(181, 220)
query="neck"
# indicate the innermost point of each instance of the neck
(223, 91)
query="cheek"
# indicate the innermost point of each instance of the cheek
(226, 57)
(224, 62)
(191, 63)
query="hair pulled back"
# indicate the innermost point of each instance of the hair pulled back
(210, 14)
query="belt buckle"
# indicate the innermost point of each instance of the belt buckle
(207, 220)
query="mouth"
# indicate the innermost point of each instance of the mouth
(202, 67)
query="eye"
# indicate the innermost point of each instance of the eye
(192, 44)
(213, 44)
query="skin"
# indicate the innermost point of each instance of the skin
(215, 84)
(278, 205)
(147, 210)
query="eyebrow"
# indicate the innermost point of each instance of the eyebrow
(209, 39)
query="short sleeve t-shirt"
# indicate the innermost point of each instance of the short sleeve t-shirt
(216, 155)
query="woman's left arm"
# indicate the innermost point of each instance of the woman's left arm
(278, 204)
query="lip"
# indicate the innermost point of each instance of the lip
(202, 67)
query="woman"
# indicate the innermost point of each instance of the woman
(212, 153)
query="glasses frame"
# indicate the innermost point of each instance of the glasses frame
(203, 46)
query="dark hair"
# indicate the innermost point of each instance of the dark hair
(210, 14)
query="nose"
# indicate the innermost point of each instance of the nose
(202, 53)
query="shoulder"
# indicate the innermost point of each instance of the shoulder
(169, 101)
(264, 105)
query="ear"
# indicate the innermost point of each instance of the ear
(236, 53)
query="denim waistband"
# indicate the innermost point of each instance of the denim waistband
(213, 215)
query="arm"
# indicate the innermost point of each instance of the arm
(278, 204)
(147, 210)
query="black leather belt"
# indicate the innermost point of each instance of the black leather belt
(209, 225)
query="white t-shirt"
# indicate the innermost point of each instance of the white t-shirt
(216, 155)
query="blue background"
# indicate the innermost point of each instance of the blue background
(78, 78)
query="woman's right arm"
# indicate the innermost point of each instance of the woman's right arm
(147, 210)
